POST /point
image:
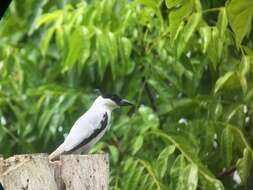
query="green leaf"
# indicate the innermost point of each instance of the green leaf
(49, 114)
(68, 102)
(240, 139)
(178, 15)
(137, 178)
(222, 22)
(113, 52)
(144, 182)
(190, 177)
(222, 81)
(59, 35)
(49, 17)
(138, 142)
(188, 31)
(125, 52)
(240, 18)
(213, 46)
(191, 26)
(129, 162)
(148, 118)
(244, 165)
(188, 152)
(114, 153)
(227, 146)
(244, 65)
(244, 68)
(150, 171)
(46, 40)
(102, 51)
(162, 161)
(205, 33)
(173, 3)
(151, 3)
(77, 40)
(85, 52)
(248, 51)
(130, 168)
(176, 172)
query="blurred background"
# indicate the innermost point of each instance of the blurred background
(187, 65)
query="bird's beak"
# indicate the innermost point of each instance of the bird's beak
(125, 102)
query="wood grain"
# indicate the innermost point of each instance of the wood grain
(72, 172)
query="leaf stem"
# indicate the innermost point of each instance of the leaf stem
(150, 172)
(226, 173)
(212, 10)
(202, 169)
(239, 132)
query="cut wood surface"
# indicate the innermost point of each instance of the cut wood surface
(71, 172)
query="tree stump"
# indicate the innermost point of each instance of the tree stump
(71, 172)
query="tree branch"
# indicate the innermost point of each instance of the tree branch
(226, 172)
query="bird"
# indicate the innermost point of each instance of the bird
(1, 186)
(90, 127)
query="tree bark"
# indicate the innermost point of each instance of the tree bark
(71, 172)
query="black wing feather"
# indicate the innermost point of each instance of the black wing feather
(1, 187)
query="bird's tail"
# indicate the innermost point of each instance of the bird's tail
(55, 155)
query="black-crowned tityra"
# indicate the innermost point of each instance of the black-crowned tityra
(90, 127)
(1, 187)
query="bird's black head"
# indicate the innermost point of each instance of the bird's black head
(119, 101)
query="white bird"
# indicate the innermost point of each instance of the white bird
(90, 127)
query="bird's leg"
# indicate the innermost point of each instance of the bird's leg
(55, 162)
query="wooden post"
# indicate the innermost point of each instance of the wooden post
(1, 171)
(72, 172)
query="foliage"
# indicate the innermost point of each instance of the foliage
(187, 64)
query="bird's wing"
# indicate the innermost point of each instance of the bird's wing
(1, 187)
(84, 130)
